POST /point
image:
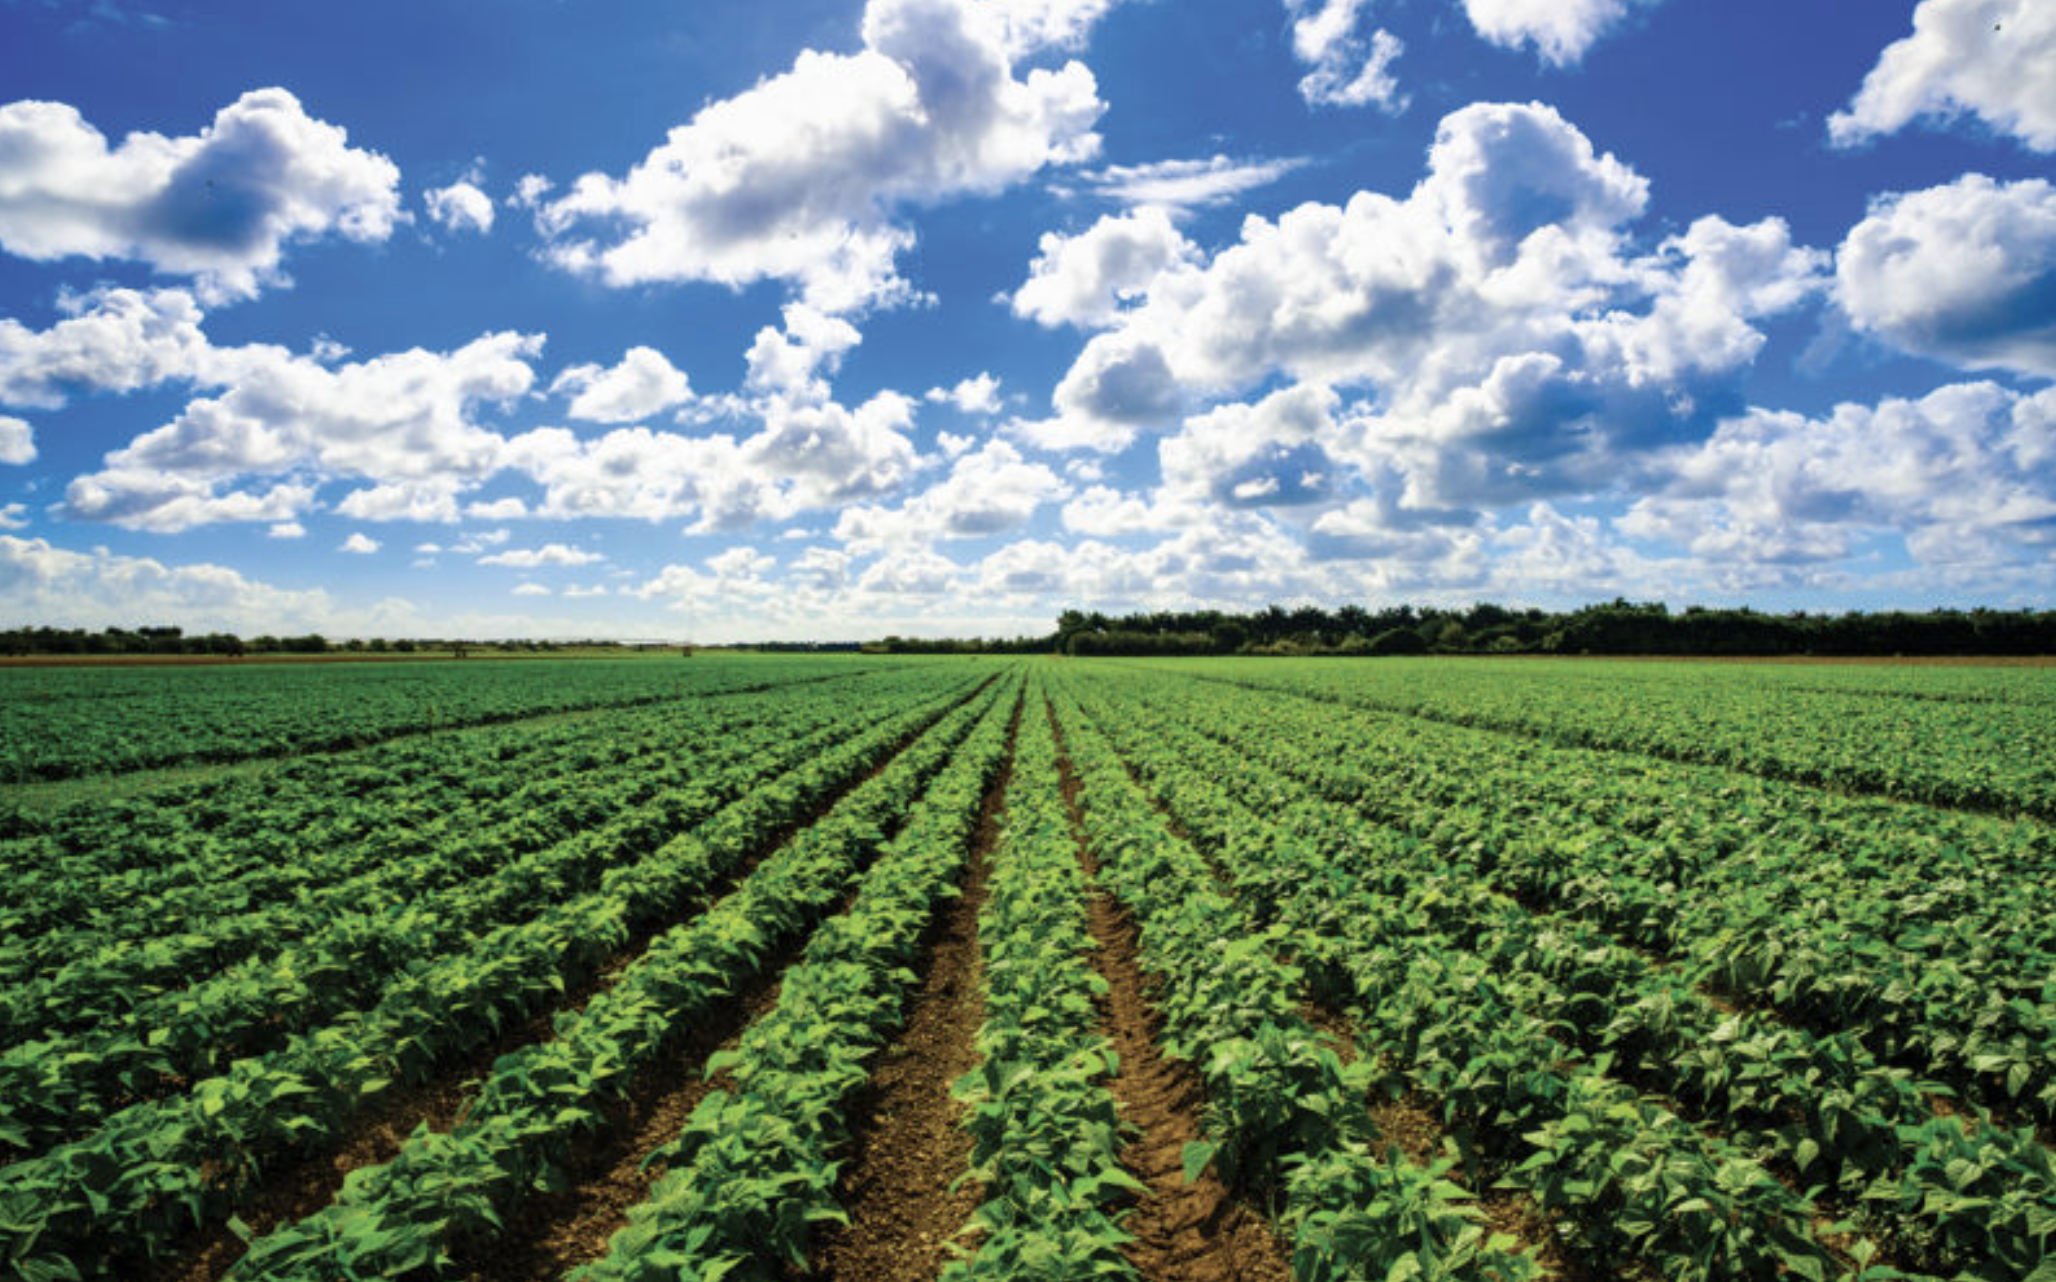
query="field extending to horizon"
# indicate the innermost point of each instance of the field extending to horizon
(887, 969)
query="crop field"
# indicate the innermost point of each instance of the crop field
(893, 969)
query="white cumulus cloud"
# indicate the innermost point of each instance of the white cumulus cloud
(461, 206)
(1964, 272)
(218, 206)
(1561, 31)
(1088, 278)
(642, 385)
(1963, 474)
(1347, 66)
(797, 179)
(1989, 59)
(1508, 337)
(988, 492)
(17, 441)
(359, 543)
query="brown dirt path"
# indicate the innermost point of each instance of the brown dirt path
(299, 1186)
(557, 1232)
(1182, 1232)
(908, 1150)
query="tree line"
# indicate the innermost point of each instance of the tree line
(1614, 627)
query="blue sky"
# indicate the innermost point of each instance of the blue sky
(835, 318)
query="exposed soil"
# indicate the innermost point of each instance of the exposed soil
(1182, 1232)
(298, 1187)
(559, 1231)
(907, 1148)
(301, 1185)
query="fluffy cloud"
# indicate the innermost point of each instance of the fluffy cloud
(1348, 68)
(1964, 272)
(1086, 279)
(111, 340)
(1561, 31)
(287, 530)
(403, 419)
(642, 385)
(218, 206)
(17, 441)
(548, 554)
(1511, 341)
(1964, 474)
(460, 207)
(978, 394)
(142, 499)
(359, 543)
(795, 361)
(989, 492)
(805, 455)
(1104, 512)
(64, 588)
(797, 179)
(426, 501)
(1985, 58)
(1264, 455)
(630, 472)
(13, 516)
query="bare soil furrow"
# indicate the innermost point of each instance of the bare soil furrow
(902, 1186)
(304, 1183)
(559, 1231)
(1182, 1232)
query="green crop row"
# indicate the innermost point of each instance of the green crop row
(59, 723)
(1955, 1195)
(1983, 754)
(1282, 1109)
(1838, 939)
(1635, 1180)
(54, 1088)
(157, 1170)
(442, 868)
(1045, 1134)
(754, 1171)
(442, 1190)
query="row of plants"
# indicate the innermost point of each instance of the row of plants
(1957, 1196)
(1953, 752)
(155, 1171)
(446, 1191)
(58, 723)
(1045, 1132)
(441, 867)
(1284, 1113)
(259, 828)
(58, 1086)
(1633, 1180)
(753, 1173)
(1854, 938)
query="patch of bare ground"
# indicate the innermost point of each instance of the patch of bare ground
(607, 1174)
(557, 1232)
(300, 1185)
(1182, 1232)
(900, 1185)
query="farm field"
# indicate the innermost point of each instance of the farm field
(867, 969)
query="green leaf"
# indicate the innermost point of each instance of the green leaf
(1196, 1156)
